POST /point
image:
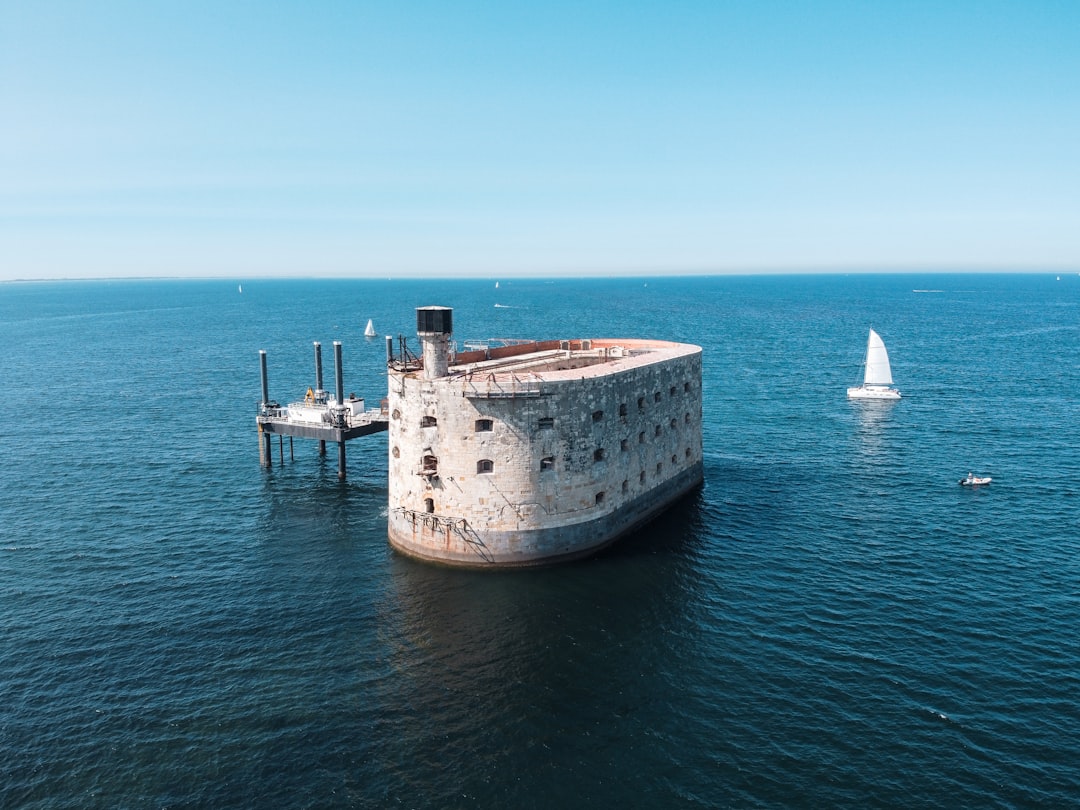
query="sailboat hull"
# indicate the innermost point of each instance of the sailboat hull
(872, 392)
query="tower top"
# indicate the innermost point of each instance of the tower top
(434, 320)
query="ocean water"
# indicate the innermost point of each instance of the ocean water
(829, 622)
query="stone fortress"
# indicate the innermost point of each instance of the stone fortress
(530, 453)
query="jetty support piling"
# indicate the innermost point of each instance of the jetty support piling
(265, 454)
(339, 384)
(318, 387)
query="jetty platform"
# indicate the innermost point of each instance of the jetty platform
(318, 416)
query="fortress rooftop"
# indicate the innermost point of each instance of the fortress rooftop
(566, 359)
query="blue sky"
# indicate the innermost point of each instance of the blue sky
(497, 139)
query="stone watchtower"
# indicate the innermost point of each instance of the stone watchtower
(434, 325)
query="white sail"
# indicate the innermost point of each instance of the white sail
(369, 331)
(877, 362)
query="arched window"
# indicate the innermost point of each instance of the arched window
(429, 465)
(547, 463)
(599, 498)
(429, 505)
(484, 425)
(485, 465)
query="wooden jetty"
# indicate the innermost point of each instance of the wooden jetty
(318, 416)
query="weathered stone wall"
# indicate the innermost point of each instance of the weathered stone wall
(539, 476)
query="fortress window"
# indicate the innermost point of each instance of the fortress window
(625, 486)
(429, 465)
(657, 431)
(599, 498)
(395, 452)
(687, 453)
(624, 445)
(429, 505)
(641, 437)
(597, 416)
(622, 410)
(485, 465)
(674, 424)
(641, 403)
(686, 387)
(546, 423)
(428, 421)
(656, 397)
(484, 425)
(686, 418)
(659, 469)
(547, 463)
(641, 477)
(598, 454)
(673, 391)
(674, 459)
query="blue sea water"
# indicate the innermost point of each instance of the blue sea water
(829, 622)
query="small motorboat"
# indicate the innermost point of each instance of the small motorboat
(974, 481)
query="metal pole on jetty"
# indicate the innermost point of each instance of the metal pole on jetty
(265, 457)
(318, 387)
(340, 391)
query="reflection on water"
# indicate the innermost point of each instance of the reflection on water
(533, 672)
(873, 419)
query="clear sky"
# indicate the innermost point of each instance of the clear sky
(508, 138)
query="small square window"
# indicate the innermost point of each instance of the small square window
(547, 463)
(624, 445)
(597, 416)
(598, 454)
(485, 465)
(599, 498)
(546, 423)
(484, 425)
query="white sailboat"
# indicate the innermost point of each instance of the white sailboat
(878, 376)
(369, 330)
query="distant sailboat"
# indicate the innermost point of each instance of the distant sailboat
(369, 330)
(878, 376)
(240, 287)
(496, 285)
